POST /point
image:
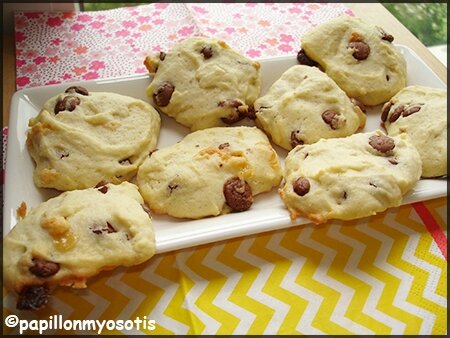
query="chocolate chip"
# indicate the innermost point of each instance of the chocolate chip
(330, 118)
(71, 102)
(33, 297)
(108, 230)
(251, 113)
(361, 105)
(224, 145)
(77, 89)
(362, 50)
(163, 94)
(373, 185)
(237, 115)
(207, 52)
(162, 56)
(101, 186)
(387, 77)
(396, 114)
(304, 59)
(43, 268)
(301, 186)
(59, 106)
(103, 189)
(386, 108)
(294, 140)
(381, 143)
(68, 103)
(411, 110)
(387, 37)
(344, 195)
(238, 194)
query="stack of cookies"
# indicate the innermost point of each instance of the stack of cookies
(99, 150)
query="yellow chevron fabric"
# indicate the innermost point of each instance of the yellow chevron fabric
(379, 275)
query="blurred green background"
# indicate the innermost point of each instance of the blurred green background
(427, 21)
(99, 6)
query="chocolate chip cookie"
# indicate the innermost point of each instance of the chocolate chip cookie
(305, 105)
(74, 236)
(421, 112)
(350, 177)
(359, 56)
(210, 172)
(80, 138)
(202, 83)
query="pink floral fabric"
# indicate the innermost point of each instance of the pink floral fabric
(55, 47)
(262, 29)
(62, 47)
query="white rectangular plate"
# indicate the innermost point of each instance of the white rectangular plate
(267, 212)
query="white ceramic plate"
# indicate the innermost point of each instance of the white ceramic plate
(267, 212)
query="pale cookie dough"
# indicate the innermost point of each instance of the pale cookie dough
(74, 236)
(421, 112)
(203, 83)
(80, 138)
(358, 56)
(351, 177)
(209, 172)
(305, 105)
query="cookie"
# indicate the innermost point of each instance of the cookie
(74, 236)
(421, 112)
(305, 105)
(202, 83)
(80, 138)
(358, 56)
(210, 172)
(351, 177)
